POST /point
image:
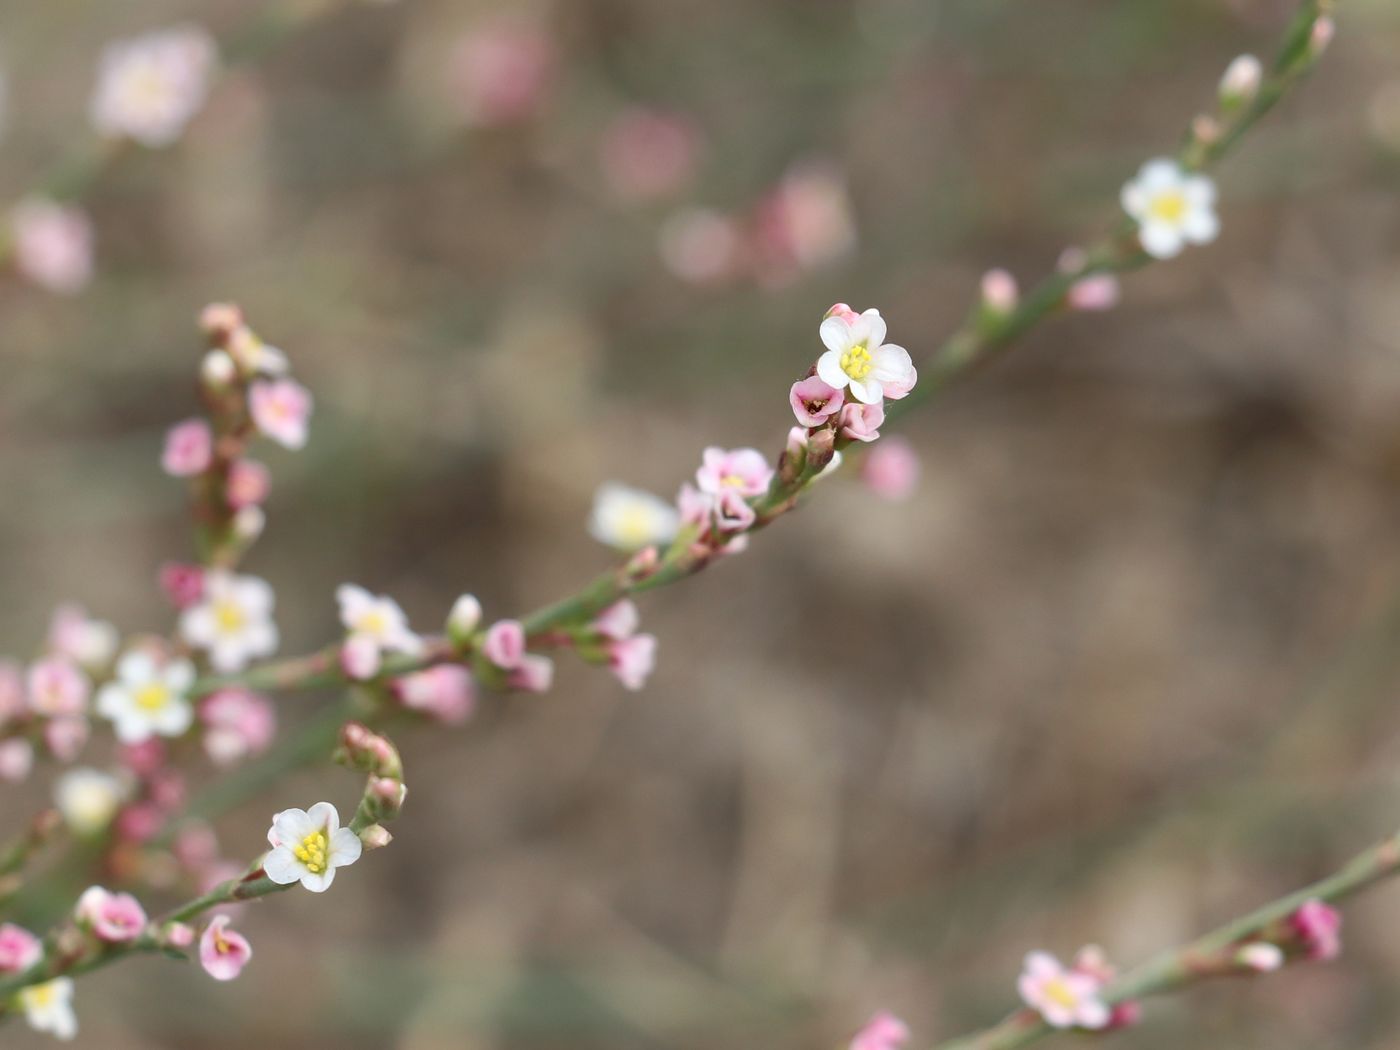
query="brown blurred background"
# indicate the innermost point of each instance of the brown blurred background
(1123, 667)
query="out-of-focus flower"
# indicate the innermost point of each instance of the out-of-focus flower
(53, 245)
(618, 621)
(1096, 292)
(19, 949)
(814, 401)
(1000, 293)
(233, 621)
(88, 799)
(1323, 30)
(701, 245)
(182, 583)
(446, 693)
(630, 519)
(189, 449)
(732, 512)
(360, 658)
(534, 674)
(804, 223)
(632, 659)
(238, 724)
(884, 1031)
(150, 86)
(281, 409)
(57, 689)
(743, 471)
(862, 422)
(308, 846)
(1172, 207)
(16, 759)
(48, 1007)
(891, 469)
(1241, 80)
(223, 952)
(147, 698)
(65, 737)
(462, 621)
(500, 70)
(1261, 957)
(248, 484)
(646, 153)
(376, 617)
(80, 637)
(1064, 998)
(857, 357)
(1319, 926)
(504, 644)
(116, 918)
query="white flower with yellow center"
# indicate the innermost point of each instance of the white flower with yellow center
(48, 1007)
(378, 618)
(233, 621)
(88, 799)
(630, 519)
(149, 87)
(858, 358)
(1172, 207)
(307, 847)
(147, 698)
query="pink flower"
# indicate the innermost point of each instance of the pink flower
(504, 644)
(741, 470)
(534, 674)
(248, 484)
(884, 1031)
(446, 692)
(115, 917)
(19, 949)
(733, 513)
(140, 823)
(144, 759)
(189, 449)
(281, 408)
(222, 952)
(1064, 998)
(183, 584)
(813, 401)
(891, 469)
(53, 245)
(84, 640)
(360, 658)
(500, 70)
(179, 934)
(1319, 926)
(65, 737)
(862, 422)
(999, 291)
(57, 688)
(618, 621)
(804, 223)
(695, 507)
(239, 723)
(648, 154)
(633, 659)
(16, 759)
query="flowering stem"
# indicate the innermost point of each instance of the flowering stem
(1207, 956)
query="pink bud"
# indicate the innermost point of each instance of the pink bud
(57, 688)
(618, 621)
(504, 644)
(813, 402)
(220, 320)
(19, 949)
(179, 934)
(183, 584)
(1319, 926)
(862, 422)
(248, 484)
(189, 449)
(891, 469)
(143, 759)
(535, 674)
(1323, 30)
(115, 917)
(633, 659)
(140, 823)
(446, 693)
(1000, 293)
(65, 737)
(222, 952)
(842, 311)
(884, 1031)
(500, 71)
(376, 836)
(360, 658)
(16, 759)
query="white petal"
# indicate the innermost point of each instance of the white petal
(112, 700)
(136, 667)
(282, 867)
(353, 600)
(318, 883)
(345, 847)
(132, 727)
(836, 335)
(198, 626)
(1201, 226)
(1160, 174)
(254, 595)
(228, 655)
(173, 719)
(892, 364)
(829, 370)
(292, 825)
(1160, 240)
(867, 391)
(1199, 191)
(323, 817)
(179, 676)
(874, 327)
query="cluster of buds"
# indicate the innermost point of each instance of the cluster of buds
(384, 794)
(1312, 931)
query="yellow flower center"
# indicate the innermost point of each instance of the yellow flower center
(230, 617)
(1060, 994)
(634, 526)
(857, 362)
(152, 697)
(312, 852)
(221, 946)
(1168, 207)
(732, 481)
(373, 623)
(40, 995)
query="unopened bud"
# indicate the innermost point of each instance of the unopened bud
(842, 311)
(248, 523)
(376, 836)
(217, 370)
(1261, 957)
(219, 321)
(1323, 30)
(1000, 293)
(1241, 81)
(1205, 130)
(464, 618)
(177, 935)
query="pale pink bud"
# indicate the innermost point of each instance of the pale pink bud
(813, 402)
(222, 952)
(1261, 957)
(862, 422)
(19, 949)
(189, 449)
(217, 370)
(504, 644)
(140, 822)
(499, 71)
(57, 688)
(281, 409)
(1319, 926)
(647, 154)
(114, 917)
(446, 692)
(144, 759)
(53, 245)
(701, 246)
(884, 1031)
(1000, 293)
(388, 791)
(891, 469)
(1206, 129)
(220, 320)
(239, 723)
(360, 658)
(178, 934)
(1241, 80)
(16, 759)
(376, 836)
(633, 660)
(1094, 294)
(464, 617)
(535, 674)
(65, 737)
(618, 621)
(248, 523)
(1323, 30)
(183, 584)
(248, 484)
(842, 311)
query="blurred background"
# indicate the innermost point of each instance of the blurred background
(1123, 666)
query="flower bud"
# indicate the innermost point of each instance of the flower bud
(1261, 957)
(1000, 293)
(376, 836)
(219, 321)
(463, 619)
(1241, 81)
(217, 370)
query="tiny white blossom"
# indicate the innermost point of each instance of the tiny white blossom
(48, 1007)
(378, 618)
(87, 799)
(630, 519)
(1172, 207)
(147, 699)
(233, 621)
(307, 847)
(857, 357)
(150, 86)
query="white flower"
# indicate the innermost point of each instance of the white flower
(630, 519)
(858, 357)
(88, 799)
(150, 86)
(147, 699)
(1172, 207)
(308, 845)
(233, 621)
(48, 1007)
(377, 618)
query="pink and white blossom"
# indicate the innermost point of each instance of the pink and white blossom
(53, 245)
(630, 519)
(732, 512)
(446, 693)
(281, 410)
(376, 617)
(238, 724)
(534, 674)
(223, 952)
(116, 918)
(150, 86)
(19, 949)
(57, 688)
(633, 659)
(1064, 998)
(743, 471)
(249, 482)
(182, 583)
(48, 1007)
(1172, 207)
(619, 620)
(862, 422)
(504, 644)
(90, 642)
(308, 846)
(884, 1031)
(189, 449)
(858, 359)
(232, 622)
(360, 658)
(813, 401)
